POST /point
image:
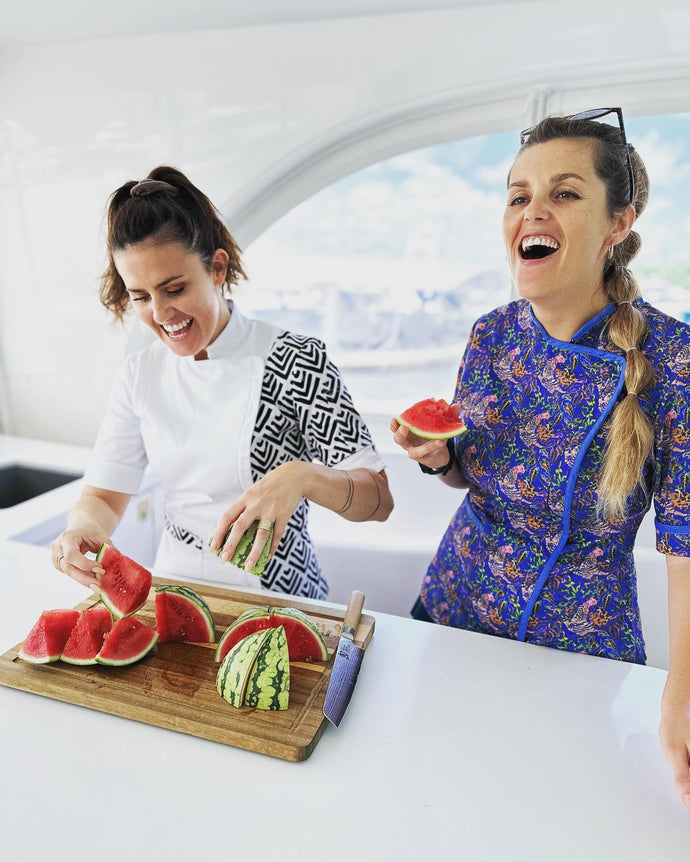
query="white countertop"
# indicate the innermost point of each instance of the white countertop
(455, 746)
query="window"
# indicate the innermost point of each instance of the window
(391, 265)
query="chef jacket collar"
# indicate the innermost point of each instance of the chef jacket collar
(235, 331)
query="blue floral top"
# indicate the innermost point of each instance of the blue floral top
(527, 555)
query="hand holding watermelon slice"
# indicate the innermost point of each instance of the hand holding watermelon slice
(424, 429)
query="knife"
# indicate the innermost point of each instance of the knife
(348, 659)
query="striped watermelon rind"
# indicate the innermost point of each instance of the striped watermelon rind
(243, 549)
(199, 611)
(269, 683)
(256, 671)
(235, 669)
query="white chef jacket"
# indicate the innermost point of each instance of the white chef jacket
(211, 428)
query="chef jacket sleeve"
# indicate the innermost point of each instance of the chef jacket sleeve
(672, 473)
(335, 433)
(119, 458)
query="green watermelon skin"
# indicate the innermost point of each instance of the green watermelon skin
(86, 639)
(127, 642)
(182, 616)
(125, 585)
(48, 636)
(243, 549)
(269, 682)
(305, 641)
(256, 671)
(432, 419)
(235, 669)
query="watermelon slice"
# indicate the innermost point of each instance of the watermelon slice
(256, 671)
(305, 641)
(182, 615)
(432, 419)
(128, 641)
(235, 669)
(86, 639)
(46, 640)
(243, 549)
(125, 585)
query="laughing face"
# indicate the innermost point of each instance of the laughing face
(174, 294)
(557, 228)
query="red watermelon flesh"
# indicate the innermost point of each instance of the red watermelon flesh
(251, 621)
(433, 419)
(305, 642)
(48, 637)
(128, 641)
(124, 585)
(182, 616)
(86, 639)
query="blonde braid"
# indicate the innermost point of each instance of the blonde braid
(630, 436)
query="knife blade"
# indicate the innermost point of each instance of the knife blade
(346, 664)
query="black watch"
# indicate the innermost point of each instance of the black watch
(441, 471)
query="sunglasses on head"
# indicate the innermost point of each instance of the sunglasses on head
(597, 114)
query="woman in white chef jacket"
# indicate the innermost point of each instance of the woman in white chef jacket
(242, 421)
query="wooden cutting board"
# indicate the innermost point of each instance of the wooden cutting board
(175, 686)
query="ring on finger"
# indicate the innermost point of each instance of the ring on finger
(266, 524)
(58, 562)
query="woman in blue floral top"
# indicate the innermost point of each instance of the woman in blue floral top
(577, 414)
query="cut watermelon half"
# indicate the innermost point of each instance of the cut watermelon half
(256, 671)
(305, 641)
(86, 639)
(124, 585)
(46, 640)
(128, 641)
(183, 616)
(432, 419)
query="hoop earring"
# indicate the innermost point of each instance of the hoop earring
(610, 252)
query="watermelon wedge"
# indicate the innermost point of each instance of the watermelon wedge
(127, 642)
(305, 642)
(125, 585)
(182, 615)
(243, 549)
(432, 419)
(256, 671)
(46, 640)
(86, 639)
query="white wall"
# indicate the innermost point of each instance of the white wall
(258, 117)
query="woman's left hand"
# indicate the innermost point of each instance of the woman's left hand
(674, 735)
(272, 499)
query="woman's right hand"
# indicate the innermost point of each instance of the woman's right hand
(431, 453)
(68, 554)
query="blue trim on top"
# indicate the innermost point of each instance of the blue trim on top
(668, 528)
(572, 477)
(610, 308)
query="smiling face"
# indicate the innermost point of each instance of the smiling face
(557, 228)
(174, 294)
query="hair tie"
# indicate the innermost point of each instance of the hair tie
(632, 392)
(630, 350)
(626, 302)
(149, 187)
